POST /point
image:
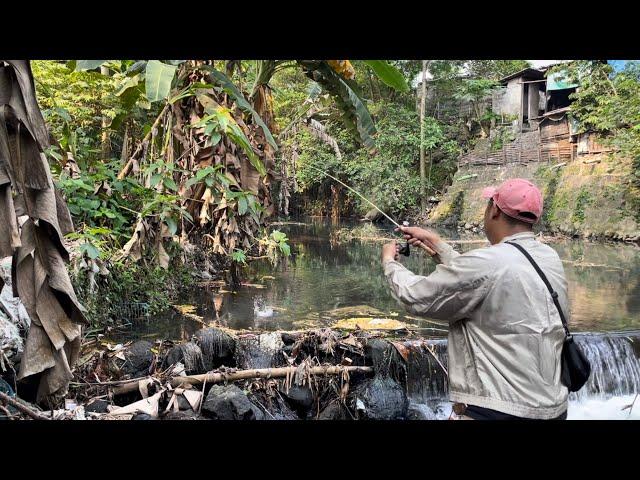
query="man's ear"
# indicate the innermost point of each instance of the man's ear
(494, 211)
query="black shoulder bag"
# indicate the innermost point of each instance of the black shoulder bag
(575, 366)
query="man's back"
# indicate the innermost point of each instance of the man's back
(505, 336)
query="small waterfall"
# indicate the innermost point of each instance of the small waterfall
(426, 380)
(614, 357)
(615, 365)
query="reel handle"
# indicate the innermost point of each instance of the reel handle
(405, 250)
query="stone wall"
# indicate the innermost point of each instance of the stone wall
(595, 199)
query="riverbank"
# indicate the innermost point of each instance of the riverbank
(319, 374)
(593, 198)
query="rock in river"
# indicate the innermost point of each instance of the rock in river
(228, 402)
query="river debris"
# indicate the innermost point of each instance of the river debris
(368, 323)
(221, 374)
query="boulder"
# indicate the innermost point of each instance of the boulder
(189, 354)
(300, 398)
(138, 359)
(380, 398)
(217, 346)
(260, 351)
(334, 411)
(228, 402)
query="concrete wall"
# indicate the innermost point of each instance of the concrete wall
(508, 100)
(590, 200)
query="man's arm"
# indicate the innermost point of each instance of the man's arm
(450, 293)
(430, 242)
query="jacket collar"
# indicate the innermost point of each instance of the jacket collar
(518, 236)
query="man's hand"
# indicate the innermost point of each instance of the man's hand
(419, 237)
(390, 252)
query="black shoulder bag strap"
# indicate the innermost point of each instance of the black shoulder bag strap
(575, 366)
(554, 294)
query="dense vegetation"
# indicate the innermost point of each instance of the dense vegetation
(158, 159)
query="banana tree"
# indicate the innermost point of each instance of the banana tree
(213, 148)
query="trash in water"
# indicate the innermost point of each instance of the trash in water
(367, 323)
(261, 309)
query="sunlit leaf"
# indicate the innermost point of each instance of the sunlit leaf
(158, 80)
(231, 89)
(242, 205)
(389, 74)
(169, 183)
(82, 65)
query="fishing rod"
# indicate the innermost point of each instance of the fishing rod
(404, 250)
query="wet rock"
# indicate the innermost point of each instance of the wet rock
(300, 398)
(183, 415)
(217, 346)
(260, 351)
(289, 338)
(380, 398)
(334, 411)
(138, 358)
(417, 412)
(228, 402)
(189, 354)
(385, 359)
(97, 406)
(10, 340)
(142, 416)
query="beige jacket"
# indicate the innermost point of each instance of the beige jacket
(505, 336)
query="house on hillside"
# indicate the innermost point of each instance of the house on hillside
(526, 98)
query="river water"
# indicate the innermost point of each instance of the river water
(324, 282)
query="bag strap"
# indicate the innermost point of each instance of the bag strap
(554, 294)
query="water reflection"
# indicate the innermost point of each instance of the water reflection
(322, 282)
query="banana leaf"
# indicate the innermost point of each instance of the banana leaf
(228, 86)
(389, 74)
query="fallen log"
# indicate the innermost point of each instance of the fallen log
(219, 377)
(24, 409)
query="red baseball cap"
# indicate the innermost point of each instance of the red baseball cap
(516, 197)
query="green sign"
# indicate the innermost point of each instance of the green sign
(559, 81)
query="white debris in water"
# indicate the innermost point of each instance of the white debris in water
(271, 342)
(595, 408)
(592, 408)
(260, 309)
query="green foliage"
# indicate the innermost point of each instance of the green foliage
(232, 90)
(239, 256)
(219, 121)
(584, 199)
(73, 104)
(159, 77)
(608, 104)
(129, 284)
(388, 74)
(390, 177)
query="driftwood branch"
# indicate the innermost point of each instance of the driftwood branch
(24, 409)
(245, 375)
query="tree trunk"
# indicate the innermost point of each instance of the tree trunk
(423, 198)
(104, 140)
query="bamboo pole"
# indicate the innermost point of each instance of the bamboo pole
(219, 377)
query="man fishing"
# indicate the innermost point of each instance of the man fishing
(506, 335)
